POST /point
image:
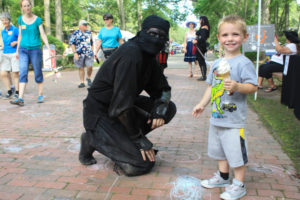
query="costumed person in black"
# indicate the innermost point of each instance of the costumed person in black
(116, 117)
(201, 36)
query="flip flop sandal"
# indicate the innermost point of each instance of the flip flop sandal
(271, 89)
(260, 87)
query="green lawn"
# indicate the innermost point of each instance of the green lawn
(282, 123)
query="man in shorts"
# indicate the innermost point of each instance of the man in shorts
(82, 46)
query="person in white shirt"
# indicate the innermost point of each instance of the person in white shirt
(277, 61)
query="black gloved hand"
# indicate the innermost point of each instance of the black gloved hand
(159, 110)
(161, 105)
(141, 142)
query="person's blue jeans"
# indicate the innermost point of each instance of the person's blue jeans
(34, 56)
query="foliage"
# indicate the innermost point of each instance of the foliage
(285, 129)
(216, 9)
(177, 34)
(253, 56)
(59, 46)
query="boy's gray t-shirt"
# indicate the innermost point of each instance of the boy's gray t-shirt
(230, 110)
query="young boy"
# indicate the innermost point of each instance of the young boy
(230, 80)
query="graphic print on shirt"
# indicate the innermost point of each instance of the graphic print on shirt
(219, 104)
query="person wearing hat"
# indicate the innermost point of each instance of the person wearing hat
(189, 48)
(9, 63)
(81, 42)
(29, 50)
(277, 61)
(116, 116)
(109, 37)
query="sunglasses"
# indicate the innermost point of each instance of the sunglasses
(106, 19)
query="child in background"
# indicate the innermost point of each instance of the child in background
(227, 96)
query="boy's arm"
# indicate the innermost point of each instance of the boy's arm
(243, 88)
(198, 109)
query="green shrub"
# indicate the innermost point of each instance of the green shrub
(67, 61)
(252, 55)
(59, 46)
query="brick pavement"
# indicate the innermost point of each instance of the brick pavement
(39, 146)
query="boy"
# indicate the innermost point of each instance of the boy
(227, 95)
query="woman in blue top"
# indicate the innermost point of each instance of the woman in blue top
(29, 50)
(10, 64)
(109, 37)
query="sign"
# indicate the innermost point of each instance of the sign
(49, 62)
(267, 34)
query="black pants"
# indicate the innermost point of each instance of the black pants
(202, 63)
(110, 138)
(266, 70)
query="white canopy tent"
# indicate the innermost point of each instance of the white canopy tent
(126, 35)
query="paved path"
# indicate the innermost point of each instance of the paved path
(39, 146)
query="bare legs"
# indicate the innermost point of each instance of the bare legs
(7, 79)
(239, 172)
(82, 73)
(191, 68)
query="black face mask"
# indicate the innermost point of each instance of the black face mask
(150, 44)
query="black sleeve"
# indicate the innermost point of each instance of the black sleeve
(158, 82)
(202, 36)
(124, 85)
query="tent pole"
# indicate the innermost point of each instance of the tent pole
(258, 43)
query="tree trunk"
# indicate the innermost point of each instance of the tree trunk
(1, 6)
(245, 9)
(287, 8)
(276, 12)
(120, 4)
(47, 17)
(58, 22)
(253, 8)
(139, 13)
(266, 11)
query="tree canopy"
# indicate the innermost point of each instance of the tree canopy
(128, 14)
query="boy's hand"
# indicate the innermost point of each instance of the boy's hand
(197, 110)
(231, 85)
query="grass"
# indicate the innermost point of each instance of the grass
(282, 123)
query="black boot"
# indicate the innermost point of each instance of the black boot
(203, 72)
(86, 151)
(203, 78)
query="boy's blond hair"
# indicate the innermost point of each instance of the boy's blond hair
(234, 19)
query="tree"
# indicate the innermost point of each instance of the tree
(139, 13)
(265, 17)
(58, 14)
(120, 4)
(47, 16)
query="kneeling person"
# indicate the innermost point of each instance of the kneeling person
(115, 115)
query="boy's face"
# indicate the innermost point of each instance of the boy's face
(231, 38)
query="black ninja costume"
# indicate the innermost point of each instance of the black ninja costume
(115, 114)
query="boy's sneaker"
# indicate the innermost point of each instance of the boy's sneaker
(215, 181)
(18, 102)
(40, 99)
(89, 82)
(81, 85)
(234, 191)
